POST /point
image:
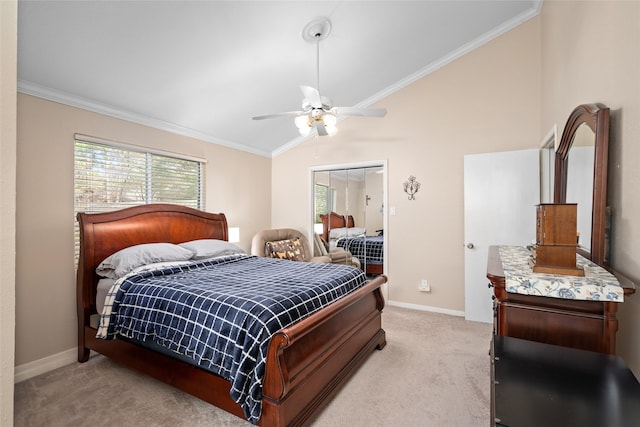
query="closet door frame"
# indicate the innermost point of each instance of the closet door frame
(385, 200)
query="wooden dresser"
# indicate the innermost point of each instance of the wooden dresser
(587, 325)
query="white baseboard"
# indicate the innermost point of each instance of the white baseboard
(426, 308)
(46, 364)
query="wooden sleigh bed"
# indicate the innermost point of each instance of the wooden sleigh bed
(306, 362)
(333, 221)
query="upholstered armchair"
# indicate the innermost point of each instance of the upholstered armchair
(285, 243)
(337, 255)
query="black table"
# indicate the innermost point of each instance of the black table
(537, 384)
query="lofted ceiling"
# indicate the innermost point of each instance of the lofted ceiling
(205, 68)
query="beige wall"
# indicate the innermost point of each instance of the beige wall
(237, 183)
(486, 101)
(8, 83)
(591, 53)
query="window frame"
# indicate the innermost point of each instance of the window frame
(144, 174)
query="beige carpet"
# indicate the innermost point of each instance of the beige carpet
(434, 371)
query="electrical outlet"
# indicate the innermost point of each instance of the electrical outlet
(424, 286)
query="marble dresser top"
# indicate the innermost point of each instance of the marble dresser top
(597, 284)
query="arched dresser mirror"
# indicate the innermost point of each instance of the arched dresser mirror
(581, 176)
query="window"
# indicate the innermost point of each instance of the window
(110, 176)
(324, 200)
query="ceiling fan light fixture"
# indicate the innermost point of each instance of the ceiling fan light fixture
(329, 120)
(331, 130)
(302, 121)
(303, 124)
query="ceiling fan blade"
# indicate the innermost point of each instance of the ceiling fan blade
(322, 131)
(312, 96)
(363, 112)
(271, 116)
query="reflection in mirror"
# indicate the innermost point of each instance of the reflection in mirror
(580, 181)
(324, 198)
(547, 166)
(349, 213)
(374, 202)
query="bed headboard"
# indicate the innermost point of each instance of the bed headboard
(335, 220)
(103, 234)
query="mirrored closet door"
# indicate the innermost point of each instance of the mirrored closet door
(348, 213)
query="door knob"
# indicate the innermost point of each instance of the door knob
(470, 245)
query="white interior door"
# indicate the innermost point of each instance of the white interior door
(501, 191)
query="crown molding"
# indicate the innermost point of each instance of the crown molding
(458, 53)
(33, 89)
(49, 94)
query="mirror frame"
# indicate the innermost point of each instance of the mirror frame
(596, 116)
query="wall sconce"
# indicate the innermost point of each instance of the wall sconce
(234, 234)
(411, 187)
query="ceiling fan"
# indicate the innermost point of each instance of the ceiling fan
(318, 111)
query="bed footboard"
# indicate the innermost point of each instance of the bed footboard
(309, 361)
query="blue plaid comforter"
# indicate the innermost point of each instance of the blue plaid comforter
(222, 312)
(368, 249)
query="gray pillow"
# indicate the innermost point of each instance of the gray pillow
(127, 259)
(209, 248)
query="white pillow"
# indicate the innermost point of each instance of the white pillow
(127, 259)
(336, 233)
(209, 248)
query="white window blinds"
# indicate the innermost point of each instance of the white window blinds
(111, 176)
